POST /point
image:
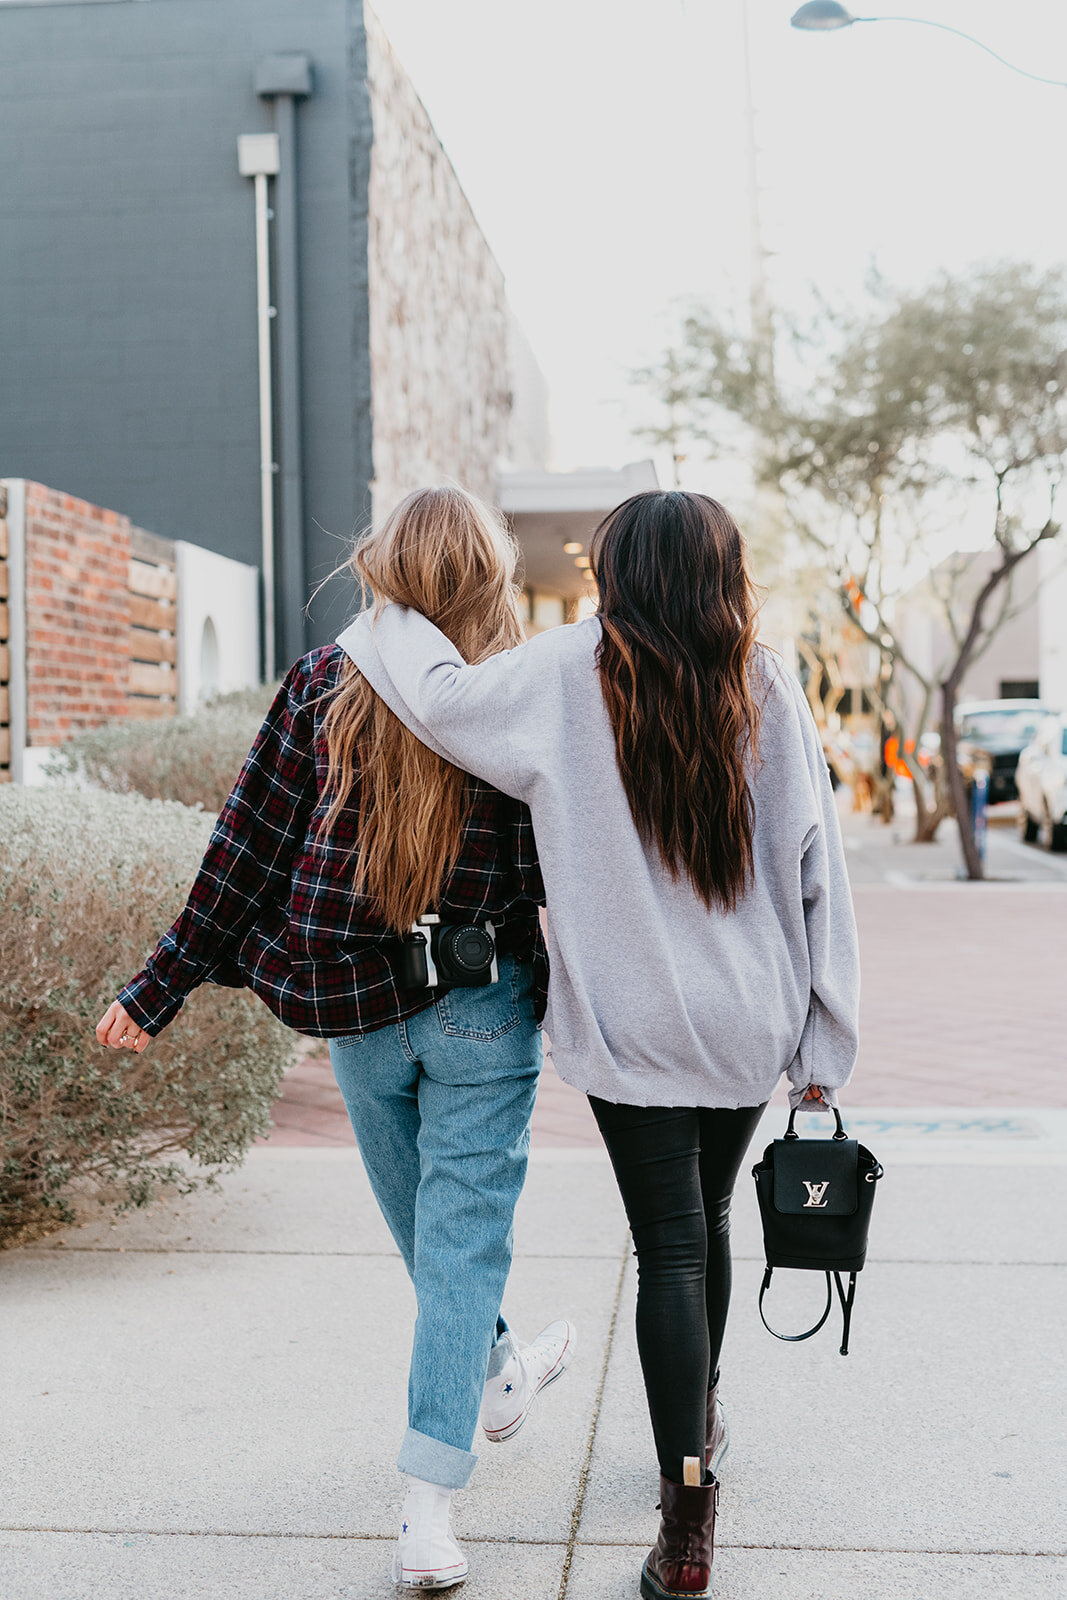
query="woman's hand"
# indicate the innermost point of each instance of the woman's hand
(814, 1093)
(118, 1029)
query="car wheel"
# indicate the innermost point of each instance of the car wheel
(1029, 827)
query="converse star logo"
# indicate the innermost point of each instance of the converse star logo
(404, 1529)
(507, 1388)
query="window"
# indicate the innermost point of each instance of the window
(1005, 726)
(1019, 689)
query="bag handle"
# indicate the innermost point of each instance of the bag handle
(791, 1132)
(847, 1302)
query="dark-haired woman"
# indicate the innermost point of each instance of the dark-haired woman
(701, 931)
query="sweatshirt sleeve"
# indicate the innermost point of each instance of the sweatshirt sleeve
(462, 712)
(246, 865)
(827, 1053)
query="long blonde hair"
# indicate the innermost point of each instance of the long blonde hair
(445, 554)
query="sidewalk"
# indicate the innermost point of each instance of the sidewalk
(230, 1434)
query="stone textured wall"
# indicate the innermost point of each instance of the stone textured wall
(441, 388)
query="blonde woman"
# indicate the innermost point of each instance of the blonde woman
(342, 832)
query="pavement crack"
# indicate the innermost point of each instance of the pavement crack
(583, 1476)
(298, 1535)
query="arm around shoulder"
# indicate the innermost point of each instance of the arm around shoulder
(463, 712)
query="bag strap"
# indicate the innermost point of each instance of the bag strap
(839, 1132)
(846, 1307)
(847, 1302)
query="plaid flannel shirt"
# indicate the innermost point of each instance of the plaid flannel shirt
(273, 908)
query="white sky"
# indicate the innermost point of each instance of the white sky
(602, 146)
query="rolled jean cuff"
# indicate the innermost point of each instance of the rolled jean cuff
(435, 1461)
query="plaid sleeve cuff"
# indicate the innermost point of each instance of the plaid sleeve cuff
(149, 1004)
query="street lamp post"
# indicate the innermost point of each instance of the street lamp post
(827, 16)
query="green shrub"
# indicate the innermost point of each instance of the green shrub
(192, 759)
(88, 881)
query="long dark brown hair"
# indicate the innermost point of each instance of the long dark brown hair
(679, 611)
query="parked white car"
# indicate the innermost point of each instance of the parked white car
(1041, 779)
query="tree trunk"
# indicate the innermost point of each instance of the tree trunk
(971, 857)
(930, 819)
(950, 687)
(882, 805)
(930, 810)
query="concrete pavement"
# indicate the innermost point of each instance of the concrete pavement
(204, 1402)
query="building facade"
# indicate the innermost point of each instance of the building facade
(128, 255)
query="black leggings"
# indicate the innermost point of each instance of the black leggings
(676, 1167)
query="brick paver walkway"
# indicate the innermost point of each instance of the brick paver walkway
(310, 1110)
(964, 996)
(964, 1004)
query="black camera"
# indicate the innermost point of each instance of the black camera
(438, 954)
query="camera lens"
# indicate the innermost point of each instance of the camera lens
(468, 950)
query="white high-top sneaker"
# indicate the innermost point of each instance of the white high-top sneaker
(528, 1369)
(427, 1555)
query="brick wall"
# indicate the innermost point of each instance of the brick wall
(99, 618)
(77, 614)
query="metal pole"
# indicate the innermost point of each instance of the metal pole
(264, 313)
(759, 294)
(292, 558)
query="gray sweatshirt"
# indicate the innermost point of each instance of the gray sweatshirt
(653, 999)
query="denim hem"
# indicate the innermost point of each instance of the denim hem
(435, 1461)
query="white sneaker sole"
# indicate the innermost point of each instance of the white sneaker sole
(447, 1578)
(510, 1429)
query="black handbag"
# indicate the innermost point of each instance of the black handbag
(815, 1198)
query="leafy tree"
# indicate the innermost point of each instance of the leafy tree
(876, 424)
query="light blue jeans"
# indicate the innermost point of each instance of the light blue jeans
(441, 1108)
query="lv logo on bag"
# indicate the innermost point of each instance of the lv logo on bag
(816, 1191)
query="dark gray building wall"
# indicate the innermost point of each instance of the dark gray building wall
(127, 265)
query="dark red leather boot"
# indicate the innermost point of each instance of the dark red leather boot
(718, 1431)
(681, 1561)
